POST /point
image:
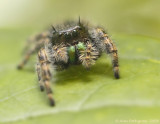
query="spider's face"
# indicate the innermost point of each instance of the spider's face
(70, 32)
(69, 35)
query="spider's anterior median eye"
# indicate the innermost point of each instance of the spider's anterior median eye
(74, 33)
(59, 34)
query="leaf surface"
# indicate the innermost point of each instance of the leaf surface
(94, 96)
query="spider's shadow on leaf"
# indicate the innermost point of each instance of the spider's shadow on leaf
(77, 72)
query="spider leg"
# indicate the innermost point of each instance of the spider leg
(26, 58)
(38, 70)
(45, 74)
(37, 42)
(110, 49)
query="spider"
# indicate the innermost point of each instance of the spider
(68, 44)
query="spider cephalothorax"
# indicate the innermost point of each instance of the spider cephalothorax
(68, 44)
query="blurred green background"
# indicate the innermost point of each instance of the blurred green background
(127, 16)
(83, 97)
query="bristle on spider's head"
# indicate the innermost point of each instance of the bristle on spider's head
(79, 21)
(53, 28)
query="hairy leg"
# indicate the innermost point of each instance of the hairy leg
(26, 58)
(110, 49)
(49, 55)
(45, 74)
(37, 42)
(38, 70)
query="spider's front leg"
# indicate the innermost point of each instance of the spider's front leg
(44, 74)
(112, 50)
(38, 70)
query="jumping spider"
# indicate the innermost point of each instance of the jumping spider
(68, 44)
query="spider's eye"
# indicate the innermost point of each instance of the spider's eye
(80, 28)
(74, 33)
(60, 34)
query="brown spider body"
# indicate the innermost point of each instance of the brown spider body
(67, 44)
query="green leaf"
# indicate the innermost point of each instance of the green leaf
(88, 97)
